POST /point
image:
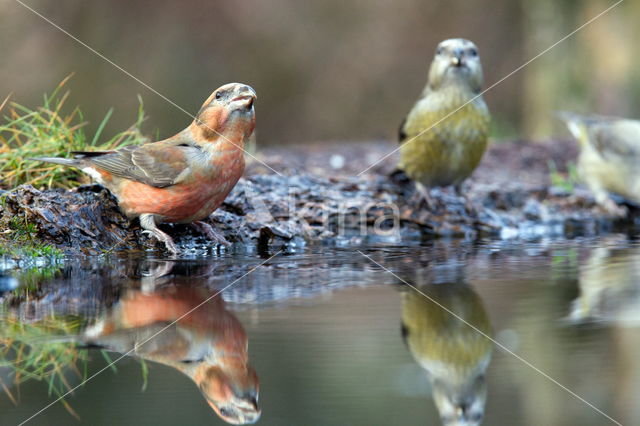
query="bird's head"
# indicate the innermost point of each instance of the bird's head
(232, 393)
(461, 404)
(456, 62)
(229, 109)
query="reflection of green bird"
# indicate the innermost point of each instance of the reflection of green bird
(609, 159)
(454, 355)
(609, 283)
(445, 134)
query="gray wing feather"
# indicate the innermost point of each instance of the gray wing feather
(132, 162)
(619, 138)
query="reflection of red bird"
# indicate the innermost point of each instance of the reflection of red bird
(209, 345)
(182, 179)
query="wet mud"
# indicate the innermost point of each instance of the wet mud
(318, 197)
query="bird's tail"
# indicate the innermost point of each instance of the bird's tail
(567, 116)
(576, 123)
(57, 160)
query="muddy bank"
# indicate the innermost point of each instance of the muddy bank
(318, 197)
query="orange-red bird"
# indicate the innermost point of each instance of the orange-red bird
(207, 343)
(182, 179)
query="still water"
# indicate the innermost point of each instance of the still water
(456, 333)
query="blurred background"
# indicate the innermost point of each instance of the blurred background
(329, 70)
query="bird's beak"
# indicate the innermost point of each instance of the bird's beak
(254, 404)
(457, 60)
(247, 96)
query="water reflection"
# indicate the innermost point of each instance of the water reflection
(454, 355)
(609, 283)
(324, 333)
(208, 345)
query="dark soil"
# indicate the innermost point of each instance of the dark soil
(319, 197)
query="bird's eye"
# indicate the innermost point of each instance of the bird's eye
(218, 95)
(439, 51)
(473, 52)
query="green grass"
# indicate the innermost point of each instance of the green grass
(18, 240)
(49, 131)
(32, 352)
(568, 180)
(22, 250)
(47, 351)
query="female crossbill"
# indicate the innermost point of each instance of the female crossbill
(445, 134)
(454, 354)
(609, 159)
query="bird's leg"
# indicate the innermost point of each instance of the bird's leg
(211, 233)
(459, 188)
(421, 195)
(151, 278)
(610, 206)
(148, 223)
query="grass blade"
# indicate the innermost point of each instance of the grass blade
(103, 123)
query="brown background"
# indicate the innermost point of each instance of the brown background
(323, 70)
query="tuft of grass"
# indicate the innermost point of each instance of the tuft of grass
(49, 131)
(568, 180)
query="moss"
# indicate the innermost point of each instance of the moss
(19, 240)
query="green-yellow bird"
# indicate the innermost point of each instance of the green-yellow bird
(609, 283)
(445, 134)
(454, 354)
(609, 159)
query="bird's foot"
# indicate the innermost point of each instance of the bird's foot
(463, 196)
(164, 238)
(614, 209)
(422, 195)
(148, 223)
(469, 206)
(211, 233)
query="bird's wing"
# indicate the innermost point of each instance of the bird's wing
(405, 129)
(619, 138)
(610, 136)
(158, 164)
(402, 133)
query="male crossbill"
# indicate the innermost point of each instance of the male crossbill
(182, 179)
(445, 134)
(209, 345)
(609, 159)
(454, 355)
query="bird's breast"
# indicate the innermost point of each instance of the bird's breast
(198, 195)
(445, 140)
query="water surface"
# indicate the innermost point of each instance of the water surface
(333, 337)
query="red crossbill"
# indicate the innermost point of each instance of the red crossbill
(209, 345)
(445, 134)
(182, 179)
